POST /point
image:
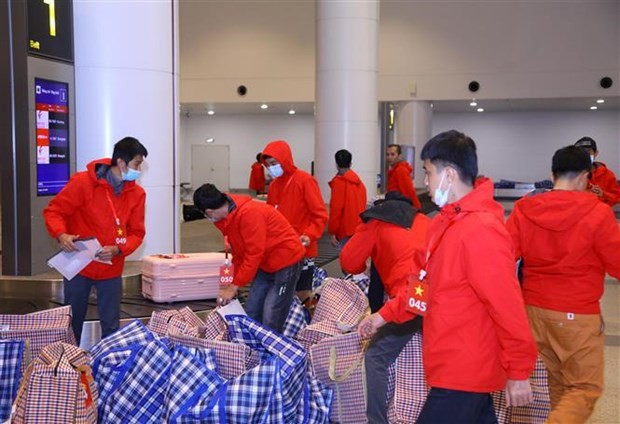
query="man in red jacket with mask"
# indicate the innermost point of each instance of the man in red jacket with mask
(296, 194)
(603, 182)
(103, 202)
(400, 174)
(347, 202)
(476, 335)
(568, 240)
(266, 251)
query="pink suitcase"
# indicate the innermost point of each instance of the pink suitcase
(181, 277)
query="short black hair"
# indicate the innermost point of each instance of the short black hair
(397, 147)
(343, 158)
(258, 155)
(586, 143)
(127, 149)
(455, 149)
(570, 161)
(209, 197)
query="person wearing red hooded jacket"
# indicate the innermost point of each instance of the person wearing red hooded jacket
(347, 201)
(567, 240)
(393, 234)
(603, 181)
(400, 173)
(476, 336)
(257, 176)
(266, 251)
(296, 194)
(102, 202)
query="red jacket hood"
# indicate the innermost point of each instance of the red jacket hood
(480, 199)
(349, 177)
(403, 164)
(557, 210)
(93, 166)
(281, 151)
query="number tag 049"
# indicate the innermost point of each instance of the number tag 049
(417, 297)
(226, 274)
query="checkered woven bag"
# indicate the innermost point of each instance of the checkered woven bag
(338, 362)
(232, 359)
(57, 388)
(183, 319)
(318, 276)
(215, 328)
(409, 383)
(314, 333)
(538, 410)
(297, 319)
(291, 360)
(11, 359)
(340, 301)
(316, 402)
(502, 411)
(39, 329)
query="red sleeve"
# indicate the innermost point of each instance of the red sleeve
(512, 225)
(394, 309)
(607, 243)
(497, 287)
(405, 186)
(336, 206)
(316, 208)
(610, 187)
(135, 227)
(63, 205)
(359, 248)
(253, 232)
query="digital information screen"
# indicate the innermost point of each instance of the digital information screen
(52, 116)
(50, 28)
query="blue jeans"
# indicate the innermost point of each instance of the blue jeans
(383, 350)
(271, 295)
(77, 291)
(445, 406)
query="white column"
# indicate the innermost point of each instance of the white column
(126, 84)
(413, 128)
(346, 108)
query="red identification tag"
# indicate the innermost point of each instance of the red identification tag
(121, 235)
(417, 296)
(226, 274)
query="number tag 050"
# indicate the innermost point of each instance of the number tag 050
(226, 275)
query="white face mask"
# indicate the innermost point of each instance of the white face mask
(275, 170)
(440, 198)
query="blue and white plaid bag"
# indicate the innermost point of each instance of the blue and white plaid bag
(11, 356)
(298, 318)
(318, 276)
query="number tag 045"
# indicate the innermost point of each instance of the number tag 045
(417, 297)
(226, 274)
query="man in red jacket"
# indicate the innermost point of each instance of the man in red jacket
(393, 235)
(476, 335)
(568, 240)
(400, 174)
(103, 202)
(266, 251)
(257, 176)
(348, 200)
(603, 182)
(296, 194)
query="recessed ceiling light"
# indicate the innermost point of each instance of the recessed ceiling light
(210, 112)
(600, 101)
(291, 112)
(480, 109)
(593, 107)
(473, 103)
(264, 106)
(210, 140)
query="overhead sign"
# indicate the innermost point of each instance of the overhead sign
(50, 29)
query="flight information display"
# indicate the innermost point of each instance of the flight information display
(50, 28)
(52, 120)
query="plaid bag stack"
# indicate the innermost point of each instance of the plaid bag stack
(338, 363)
(297, 319)
(408, 382)
(57, 388)
(11, 359)
(39, 329)
(184, 320)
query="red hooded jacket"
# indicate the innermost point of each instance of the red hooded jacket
(568, 241)
(476, 333)
(82, 208)
(257, 178)
(260, 238)
(348, 200)
(297, 196)
(606, 180)
(399, 179)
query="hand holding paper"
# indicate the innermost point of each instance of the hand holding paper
(70, 263)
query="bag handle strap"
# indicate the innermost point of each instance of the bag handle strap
(332, 367)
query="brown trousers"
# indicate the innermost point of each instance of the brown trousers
(571, 346)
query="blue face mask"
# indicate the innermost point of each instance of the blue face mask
(275, 170)
(130, 175)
